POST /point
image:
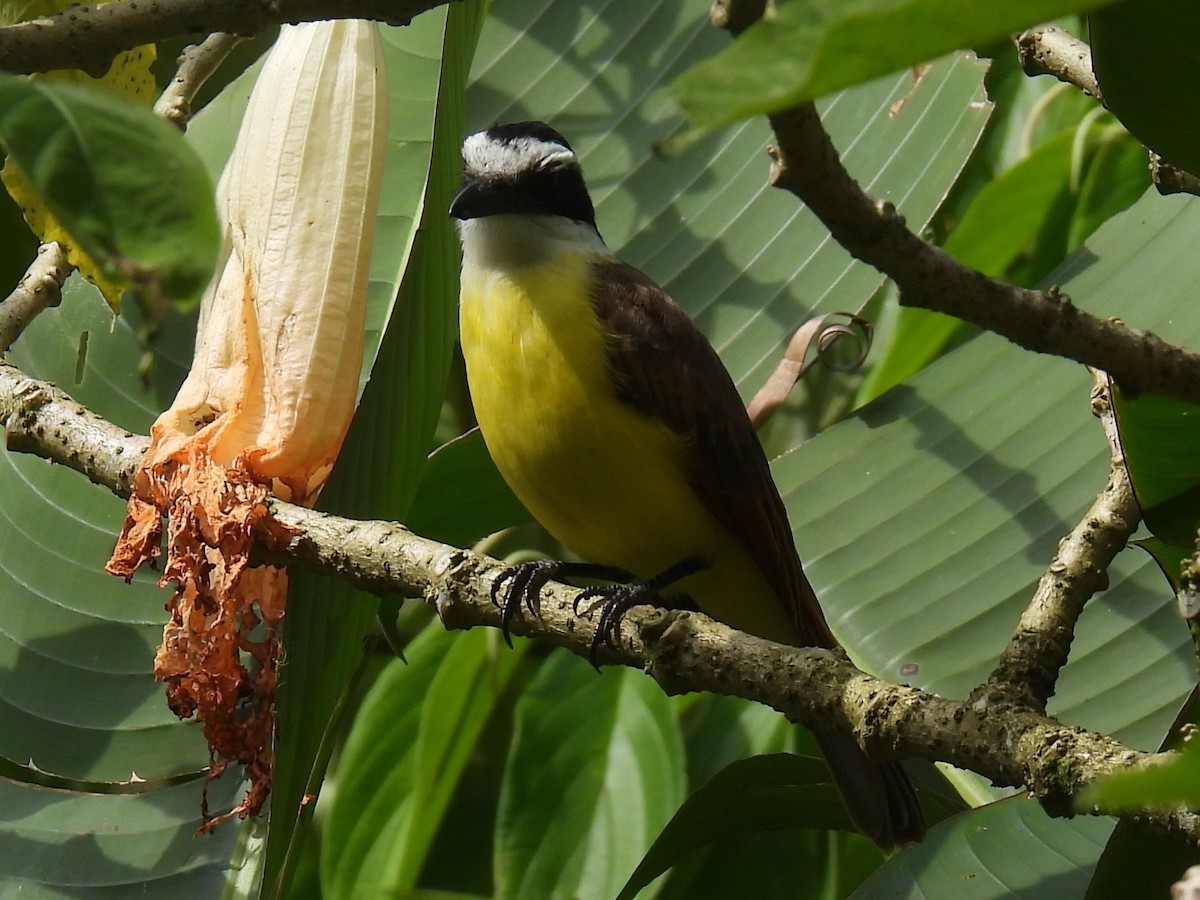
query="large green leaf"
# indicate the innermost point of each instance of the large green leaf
(961, 857)
(752, 798)
(589, 782)
(1022, 198)
(152, 224)
(1114, 180)
(402, 761)
(1143, 52)
(73, 844)
(762, 794)
(926, 519)
(1161, 440)
(719, 730)
(77, 695)
(775, 864)
(1140, 862)
(808, 48)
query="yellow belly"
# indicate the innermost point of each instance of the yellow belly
(605, 480)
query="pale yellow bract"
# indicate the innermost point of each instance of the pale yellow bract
(280, 341)
(272, 388)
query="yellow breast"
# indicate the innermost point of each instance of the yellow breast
(607, 481)
(575, 455)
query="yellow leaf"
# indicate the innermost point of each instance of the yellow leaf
(47, 228)
(130, 77)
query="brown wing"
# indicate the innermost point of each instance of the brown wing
(666, 368)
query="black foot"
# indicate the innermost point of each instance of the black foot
(522, 585)
(616, 600)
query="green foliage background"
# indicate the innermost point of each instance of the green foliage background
(925, 514)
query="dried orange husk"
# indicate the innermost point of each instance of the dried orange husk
(273, 384)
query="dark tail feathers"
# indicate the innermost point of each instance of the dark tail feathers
(878, 795)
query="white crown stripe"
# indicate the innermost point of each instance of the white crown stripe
(485, 156)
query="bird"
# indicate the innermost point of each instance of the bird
(612, 418)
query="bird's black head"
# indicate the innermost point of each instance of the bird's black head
(526, 168)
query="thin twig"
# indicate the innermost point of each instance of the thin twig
(39, 289)
(196, 64)
(1028, 669)
(1047, 50)
(88, 37)
(1170, 179)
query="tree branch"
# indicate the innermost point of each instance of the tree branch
(1048, 50)
(39, 418)
(88, 37)
(683, 651)
(687, 651)
(39, 289)
(1170, 179)
(1051, 51)
(808, 165)
(1028, 669)
(196, 64)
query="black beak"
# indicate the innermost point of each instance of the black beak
(484, 197)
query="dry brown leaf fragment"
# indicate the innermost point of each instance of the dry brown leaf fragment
(820, 333)
(220, 648)
(272, 388)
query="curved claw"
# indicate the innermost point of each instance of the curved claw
(619, 599)
(521, 585)
(588, 594)
(498, 584)
(615, 601)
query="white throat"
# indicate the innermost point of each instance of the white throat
(513, 241)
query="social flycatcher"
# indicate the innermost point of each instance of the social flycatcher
(613, 419)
